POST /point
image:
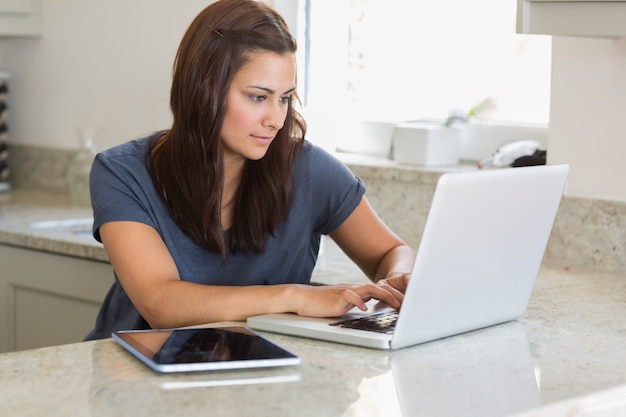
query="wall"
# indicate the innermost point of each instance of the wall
(587, 120)
(106, 64)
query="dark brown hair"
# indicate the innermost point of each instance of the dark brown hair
(186, 165)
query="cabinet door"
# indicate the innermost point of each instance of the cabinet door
(602, 18)
(20, 17)
(48, 299)
(18, 6)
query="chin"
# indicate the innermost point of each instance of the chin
(256, 156)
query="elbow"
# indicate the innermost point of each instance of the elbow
(155, 307)
(155, 317)
(399, 259)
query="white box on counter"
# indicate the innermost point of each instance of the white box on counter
(426, 144)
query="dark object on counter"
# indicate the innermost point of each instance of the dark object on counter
(538, 158)
(4, 149)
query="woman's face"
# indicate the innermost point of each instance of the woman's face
(258, 101)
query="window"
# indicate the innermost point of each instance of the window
(398, 60)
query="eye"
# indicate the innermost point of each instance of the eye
(285, 99)
(258, 98)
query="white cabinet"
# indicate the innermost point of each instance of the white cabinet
(48, 299)
(20, 17)
(602, 18)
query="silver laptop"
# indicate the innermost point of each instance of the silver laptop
(476, 265)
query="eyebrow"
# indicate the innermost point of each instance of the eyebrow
(270, 91)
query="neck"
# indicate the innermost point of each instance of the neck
(232, 179)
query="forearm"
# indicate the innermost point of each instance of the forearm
(178, 303)
(398, 260)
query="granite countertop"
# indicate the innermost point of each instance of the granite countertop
(48, 222)
(564, 357)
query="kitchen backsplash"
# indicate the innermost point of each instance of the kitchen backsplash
(587, 232)
(37, 168)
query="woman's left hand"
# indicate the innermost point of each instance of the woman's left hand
(396, 280)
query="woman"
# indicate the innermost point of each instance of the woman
(220, 217)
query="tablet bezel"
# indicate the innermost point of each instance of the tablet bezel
(130, 340)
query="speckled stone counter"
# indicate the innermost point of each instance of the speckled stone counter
(48, 222)
(564, 357)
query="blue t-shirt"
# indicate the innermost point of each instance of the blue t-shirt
(325, 194)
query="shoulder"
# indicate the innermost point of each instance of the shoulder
(122, 167)
(121, 187)
(311, 154)
(322, 163)
(125, 159)
(136, 148)
(323, 173)
(326, 187)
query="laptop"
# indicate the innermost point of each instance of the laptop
(476, 265)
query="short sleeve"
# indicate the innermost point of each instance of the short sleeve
(335, 190)
(120, 187)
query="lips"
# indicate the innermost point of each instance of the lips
(263, 139)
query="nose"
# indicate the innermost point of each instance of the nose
(275, 116)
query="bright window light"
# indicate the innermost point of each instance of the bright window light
(398, 60)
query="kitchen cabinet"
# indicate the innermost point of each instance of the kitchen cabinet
(48, 299)
(20, 17)
(589, 18)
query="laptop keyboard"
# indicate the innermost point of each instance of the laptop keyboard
(380, 323)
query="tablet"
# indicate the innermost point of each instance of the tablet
(203, 349)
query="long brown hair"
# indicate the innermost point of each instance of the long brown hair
(186, 165)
